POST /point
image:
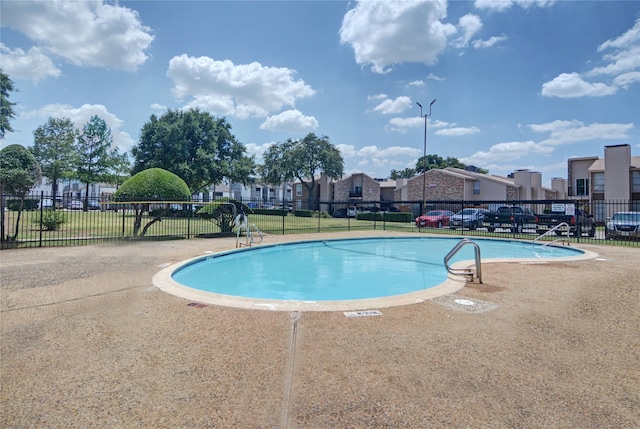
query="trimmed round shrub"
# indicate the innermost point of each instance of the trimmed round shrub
(154, 184)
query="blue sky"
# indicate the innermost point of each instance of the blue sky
(519, 84)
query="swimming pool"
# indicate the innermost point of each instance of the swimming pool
(312, 272)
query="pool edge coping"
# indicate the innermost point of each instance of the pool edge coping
(163, 280)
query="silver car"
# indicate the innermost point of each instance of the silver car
(623, 225)
(467, 218)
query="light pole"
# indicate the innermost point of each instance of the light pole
(424, 157)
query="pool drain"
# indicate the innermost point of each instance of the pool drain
(463, 304)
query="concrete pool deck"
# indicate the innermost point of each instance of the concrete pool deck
(88, 341)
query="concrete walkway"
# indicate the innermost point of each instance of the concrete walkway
(88, 341)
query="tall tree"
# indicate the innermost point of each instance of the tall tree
(195, 146)
(6, 107)
(19, 172)
(95, 160)
(407, 173)
(54, 150)
(302, 160)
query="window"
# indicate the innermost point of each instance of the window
(257, 189)
(476, 187)
(582, 186)
(298, 190)
(598, 182)
(635, 181)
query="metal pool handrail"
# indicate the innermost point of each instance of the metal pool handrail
(465, 271)
(558, 226)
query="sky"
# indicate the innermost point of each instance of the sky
(518, 84)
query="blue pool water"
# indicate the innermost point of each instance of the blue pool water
(344, 269)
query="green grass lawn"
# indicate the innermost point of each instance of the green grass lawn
(90, 226)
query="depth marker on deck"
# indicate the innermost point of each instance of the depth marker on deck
(362, 313)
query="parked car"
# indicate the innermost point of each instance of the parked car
(513, 218)
(623, 225)
(579, 222)
(94, 204)
(352, 211)
(46, 203)
(471, 218)
(76, 205)
(434, 218)
(339, 213)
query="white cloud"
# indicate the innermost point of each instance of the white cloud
(292, 121)
(86, 33)
(629, 38)
(347, 150)
(388, 106)
(481, 44)
(458, 131)
(620, 62)
(244, 90)
(258, 150)
(417, 83)
(622, 58)
(31, 65)
(501, 5)
(435, 77)
(627, 79)
(564, 132)
(401, 125)
(384, 33)
(469, 24)
(81, 115)
(377, 97)
(571, 85)
(504, 152)
(393, 151)
(157, 106)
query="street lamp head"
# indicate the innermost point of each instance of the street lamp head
(420, 104)
(434, 100)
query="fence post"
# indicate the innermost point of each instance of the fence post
(190, 209)
(285, 213)
(123, 210)
(41, 220)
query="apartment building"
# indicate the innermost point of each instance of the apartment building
(607, 184)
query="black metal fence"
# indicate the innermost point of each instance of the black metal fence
(45, 221)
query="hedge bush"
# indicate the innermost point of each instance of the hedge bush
(303, 213)
(271, 212)
(51, 219)
(398, 217)
(385, 216)
(29, 204)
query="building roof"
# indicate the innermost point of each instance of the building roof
(598, 164)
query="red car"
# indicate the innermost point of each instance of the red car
(434, 218)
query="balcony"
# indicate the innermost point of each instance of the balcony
(355, 194)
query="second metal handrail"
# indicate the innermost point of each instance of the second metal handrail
(465, 271)
(554, 229)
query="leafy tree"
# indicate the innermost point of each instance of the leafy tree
(53, 148)
(154, 184)
(302, 160)
(407, 173)
(95, 160)
(431, 162)
(6, 107)
(19, 172)
(222, 213)
(195, 146)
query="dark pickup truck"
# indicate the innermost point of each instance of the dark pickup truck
(579, 223)
(514, 218)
